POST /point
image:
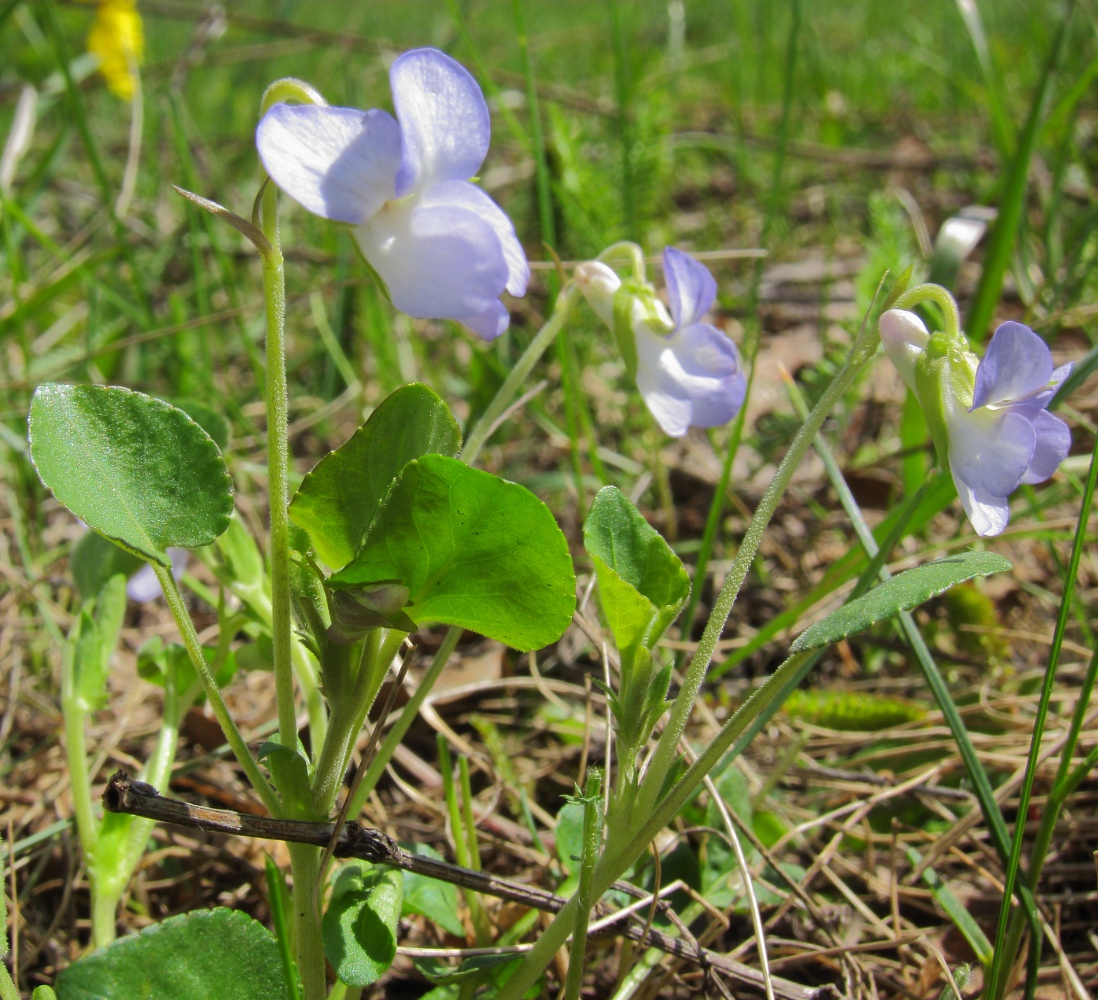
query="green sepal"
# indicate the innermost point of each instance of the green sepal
(945, 379)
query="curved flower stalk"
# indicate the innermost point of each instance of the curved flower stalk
(688, 372)
(988, 417)
(117, 37)
(440, 245)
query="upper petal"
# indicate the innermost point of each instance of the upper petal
(988, 513)
(439, 259)
(443, 120)
(990, 450)
(339, 163)
(904, 338)
(691, 289)
(691, 379)
(1016, 364)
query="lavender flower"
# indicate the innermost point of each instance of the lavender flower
(440, 245)
(989, 418)
(687, 371)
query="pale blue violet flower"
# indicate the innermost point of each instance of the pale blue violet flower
(443, 248)
(989, 417)
(688, 372)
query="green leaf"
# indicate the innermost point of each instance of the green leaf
(338, 499)
(202, 955)
(473, 550)
(135, 468)
(360, 924)
(290, 771)
(569, 836)
(955, 910)
(902, 593)
(212, 422)
(630, 555)
(95, 559)
(438, 901)
(93, 646)
(445, 974)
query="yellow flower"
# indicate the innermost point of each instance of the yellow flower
(117, 38)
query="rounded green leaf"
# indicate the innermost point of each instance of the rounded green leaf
(134, 468)
(360, 925)
(338, 499)
(202, 955)
(473, 550)
(642, 583)
(903, 592)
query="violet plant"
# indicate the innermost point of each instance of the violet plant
(396, 529)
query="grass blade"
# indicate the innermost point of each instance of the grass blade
(1000, 244)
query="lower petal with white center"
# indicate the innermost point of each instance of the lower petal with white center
(990, 450)
(439, 260)
(691, 379)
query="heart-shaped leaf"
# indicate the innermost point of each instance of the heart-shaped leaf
(903, 592)
(202, 955)
(338, 499)
(473, 550)
(135, 468)
(642, 583)
(360, 924)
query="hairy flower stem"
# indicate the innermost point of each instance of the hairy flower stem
(940, 297)
(652, 813)
(213, 692)
(278, 466)
(864, 347)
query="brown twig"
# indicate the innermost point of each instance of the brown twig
(124, 795)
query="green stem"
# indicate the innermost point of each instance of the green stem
(940, 297)
(1004, 958)
(631, 844)
(371, 673)
(864, 347)
(213, 692)
(400, 727)
(592, 836)
(305, 867)
(537, 347)
(123, 838)
(278, 466)
(77, 756)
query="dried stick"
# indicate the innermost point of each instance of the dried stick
(124, 795)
